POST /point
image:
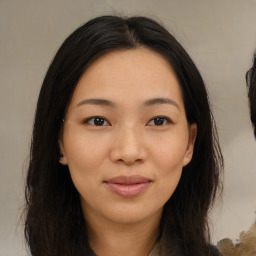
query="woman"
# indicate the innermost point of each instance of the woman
(124, 158)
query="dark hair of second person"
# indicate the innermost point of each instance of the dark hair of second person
(251, 83)
(245, 245)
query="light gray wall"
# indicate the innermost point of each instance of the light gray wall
(220, 36)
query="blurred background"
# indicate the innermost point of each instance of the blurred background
(219, 35)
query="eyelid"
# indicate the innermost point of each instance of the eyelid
(86, 121)
(169, 121)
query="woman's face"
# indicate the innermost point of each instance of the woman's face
(125, 136)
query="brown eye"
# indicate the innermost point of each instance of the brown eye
(159, 121)
(97, 121)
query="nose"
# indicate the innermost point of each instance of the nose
(128, 146)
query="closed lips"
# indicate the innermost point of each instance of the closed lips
(128, 179)
(128, 186)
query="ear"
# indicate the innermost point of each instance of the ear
(62, 157)
(191, 142)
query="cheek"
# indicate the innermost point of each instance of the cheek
(85, 158)
(170, 162)
(168, 174)
(169, 153)
(85, 150)
(168, 159)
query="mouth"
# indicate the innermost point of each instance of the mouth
(128, 186)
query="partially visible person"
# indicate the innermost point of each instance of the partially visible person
(246, 245)
(251, 83)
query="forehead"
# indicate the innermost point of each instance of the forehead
(137, 74)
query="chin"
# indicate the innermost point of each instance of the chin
(132, 215)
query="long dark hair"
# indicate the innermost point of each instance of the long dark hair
(251, 83)
(54, 223)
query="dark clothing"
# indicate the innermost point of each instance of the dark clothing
(160, 251)
(166, 248)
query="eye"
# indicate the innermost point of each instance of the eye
(97, 121)
(159, 121)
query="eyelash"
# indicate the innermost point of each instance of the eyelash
(165, 119)
(87, 120)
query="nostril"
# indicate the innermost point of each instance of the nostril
(129, 161)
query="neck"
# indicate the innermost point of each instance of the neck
(108, 238)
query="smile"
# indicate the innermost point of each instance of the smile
(128, 186)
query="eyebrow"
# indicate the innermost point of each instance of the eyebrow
(100, 102)
(147, 103)
(157, 101)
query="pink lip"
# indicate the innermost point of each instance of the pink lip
(128, 186)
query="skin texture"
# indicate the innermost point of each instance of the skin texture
(127, 143)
